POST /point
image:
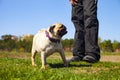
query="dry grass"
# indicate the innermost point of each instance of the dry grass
(110, 58)
(104, 58)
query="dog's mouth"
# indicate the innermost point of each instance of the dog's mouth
(62, 32)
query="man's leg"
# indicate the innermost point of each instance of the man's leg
(91, 31)
(78, 21)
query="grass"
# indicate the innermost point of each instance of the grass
(17, 66)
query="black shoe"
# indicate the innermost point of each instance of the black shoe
(75, 59)
(90, 59)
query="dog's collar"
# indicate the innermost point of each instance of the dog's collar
(52, 39)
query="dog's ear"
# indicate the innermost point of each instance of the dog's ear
(51, 28)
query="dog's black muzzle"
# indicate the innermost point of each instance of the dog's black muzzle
(62, 32)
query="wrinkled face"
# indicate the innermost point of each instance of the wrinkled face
(58, 29)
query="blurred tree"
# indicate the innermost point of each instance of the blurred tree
(6, 37)
(116, 45)
(67, 44)
(24, 43)
(107, 46)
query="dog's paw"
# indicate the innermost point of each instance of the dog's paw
(43, 67)
(68, 61)
(34, 65)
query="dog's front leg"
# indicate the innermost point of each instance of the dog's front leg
(33, 57)
(63, 58)
(43, 59)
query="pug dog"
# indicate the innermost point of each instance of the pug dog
(48, 41)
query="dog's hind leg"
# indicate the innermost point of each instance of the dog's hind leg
(33, 57)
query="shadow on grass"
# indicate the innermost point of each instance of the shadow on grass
(61, 65)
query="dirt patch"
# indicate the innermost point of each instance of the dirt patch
(110, 58)
(15, 55)
(90, 70)
(104, 58)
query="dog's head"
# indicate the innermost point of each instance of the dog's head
(58, 29)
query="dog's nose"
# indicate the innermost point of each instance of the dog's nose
(64, 28)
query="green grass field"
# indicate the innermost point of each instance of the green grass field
(17, 66)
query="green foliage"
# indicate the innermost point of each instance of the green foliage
(67, 42)
(107, 46)
(9, 44)
(6, 37)
(116, 45)
(24, 44)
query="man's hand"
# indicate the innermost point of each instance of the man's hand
(73, 2)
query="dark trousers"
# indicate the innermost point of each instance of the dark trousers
(84, 18)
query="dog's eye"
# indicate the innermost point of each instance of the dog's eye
(62, 26)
